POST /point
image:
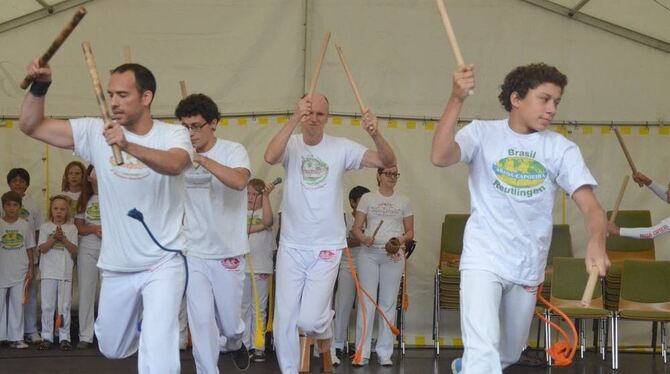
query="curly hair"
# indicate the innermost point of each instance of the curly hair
(524, 78)
(198, 104)
(257, 184)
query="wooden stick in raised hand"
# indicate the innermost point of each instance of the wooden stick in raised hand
(455, 48)
(100, 96)
(625, 150)
(351, 79)
(317, 71)
(615, 210)
(60, 39)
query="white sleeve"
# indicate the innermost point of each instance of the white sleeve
(43, 234)
(407, 208)
(71, 233)
(468, 140)
(647, 232)
(363, 204)
(572, 170)
(179, 138)
(82, 131)
(239, 158)
(659, 191)
(354, 154)
(29, 238)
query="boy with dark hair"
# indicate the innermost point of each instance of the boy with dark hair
(16, 268)
(516, 168)
(18, 180)
(216, 191)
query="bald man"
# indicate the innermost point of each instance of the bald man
(313, 231)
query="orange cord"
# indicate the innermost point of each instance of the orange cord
(561, 351)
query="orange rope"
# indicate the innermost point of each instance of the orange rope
(358, 357)
(561, 351)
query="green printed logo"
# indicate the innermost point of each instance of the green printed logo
(12, 240)
(314, 172)
(24, 213)
(521, 172)
(93, 212)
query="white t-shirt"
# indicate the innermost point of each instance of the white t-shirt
(392, 209)
(312, 201)
(74, 199)
(15, 238)
(215, 224)
(261, 244)
(91, 216)
(57, 262)
(126, 246)
(349, 224)
(513, 180)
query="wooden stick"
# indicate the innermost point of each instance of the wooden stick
(350, 78)
(60, 39)
(127, 58)
(590, 287)
(615, 211)
(100, 96)
(315, 77)
(625, 150)
(182, 87)
(374, 234)
(455, 48)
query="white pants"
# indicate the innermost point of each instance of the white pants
(249, 307)
(30, 309)
(88, 276)
(139, 311)
(344, 300)
(214, 298)
(56, 296)
(11, 312)
(377, 269)
(495, 319)
(304, 291)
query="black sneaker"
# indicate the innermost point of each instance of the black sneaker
(339, 354)
(241, 358)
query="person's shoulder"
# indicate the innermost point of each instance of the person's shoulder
(169, 128)
(229, 144)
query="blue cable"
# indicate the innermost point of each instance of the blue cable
(136, 214)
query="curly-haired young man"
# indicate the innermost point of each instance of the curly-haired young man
(516, 167)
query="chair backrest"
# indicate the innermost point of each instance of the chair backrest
(561, 243)
(644, 281)
(622, 248)
(451, 243)
(569, 279)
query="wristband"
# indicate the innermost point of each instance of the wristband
(39, 88)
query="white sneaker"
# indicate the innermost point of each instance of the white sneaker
(33, 338)
(18, 345)
(385, 361)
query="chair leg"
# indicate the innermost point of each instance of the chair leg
(436, 311)
(305, 356)
(664, 344)
(325, 353)
(582, 339)
(602, 342)
(615, 342)
(654, 335)
(547, 336)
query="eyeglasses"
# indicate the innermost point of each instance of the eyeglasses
(391, 174)
(195, 127)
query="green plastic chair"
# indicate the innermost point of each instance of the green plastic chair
(568, 281)
(622, 248)
(645, 296)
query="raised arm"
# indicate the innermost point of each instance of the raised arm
(170, 162)
(32, 121)
(382, 156)
(274, 153)
(235, 178)
(445, 151)
(596, 225)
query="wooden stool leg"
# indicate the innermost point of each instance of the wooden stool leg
(305, 344)
(326, 358)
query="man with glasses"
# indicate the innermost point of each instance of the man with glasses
(142, 285)
(313, 232)
(215, 226)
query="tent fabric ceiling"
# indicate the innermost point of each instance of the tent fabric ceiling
(648, 17)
